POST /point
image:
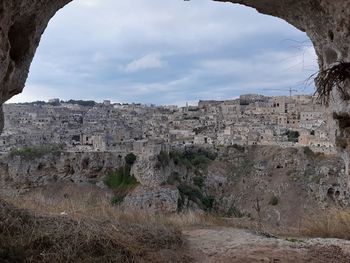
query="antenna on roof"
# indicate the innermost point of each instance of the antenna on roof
(288, 89)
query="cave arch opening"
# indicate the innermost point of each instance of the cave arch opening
(166, 53)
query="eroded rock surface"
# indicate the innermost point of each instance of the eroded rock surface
(19, 174)
(286, 182)
(152, 199)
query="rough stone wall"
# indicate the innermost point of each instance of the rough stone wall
(289, 183)
(20, 174)
(152, 199)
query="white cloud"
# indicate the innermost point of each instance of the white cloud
(34, 93)
(90, 3)
(150, 61)
(203, 49)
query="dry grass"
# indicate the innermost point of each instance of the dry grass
(333, 223)
(196, 219)
(32, 229)
(333, 77)
(88, 202)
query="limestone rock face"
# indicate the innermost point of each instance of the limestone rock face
(22, 22)
(152, 199)
(289, 183)
(20, 174)
(146, 171)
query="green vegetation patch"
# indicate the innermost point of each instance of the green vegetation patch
(237, 147)
(85, 103)
(274, 201)
(121, 181)
(163, 158)
(293, 136)
(120, 178)
(194, 194)
(33, 152)
(198, 181)
(174, 179)
(130, 159)
(197, 158)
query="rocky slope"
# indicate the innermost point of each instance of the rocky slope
(18, 173)
(276, 185)
(268, 184)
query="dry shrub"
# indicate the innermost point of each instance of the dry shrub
(334, 223)
(76, 201)
(194, 218)
(88, 202)
(90, 231)
(333, 77)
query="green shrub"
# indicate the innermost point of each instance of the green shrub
(193, 157)
(293, 136)
(116, 200)
(34, 152)
(198, 181)
(85, 103)
(130, 159)
(199, 160)
(173, 179)
(179, 159)
(208, 202)
(163, 158)
(234, 212)
(194, 194)
(120, 179)
(273, 201)
(238, 147)
(308, 152)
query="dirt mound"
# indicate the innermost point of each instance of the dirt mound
(25, 237)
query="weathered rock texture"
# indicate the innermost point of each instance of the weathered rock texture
(21, 174)
(152, 199)
(21, 25)
(287, 182)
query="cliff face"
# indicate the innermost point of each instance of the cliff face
(21, 174)
(285, 182)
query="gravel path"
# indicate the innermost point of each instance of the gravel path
(221, 245)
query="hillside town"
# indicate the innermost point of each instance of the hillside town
(286, 121)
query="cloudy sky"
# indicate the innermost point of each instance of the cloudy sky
(166, 52)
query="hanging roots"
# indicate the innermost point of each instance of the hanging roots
(333, 77)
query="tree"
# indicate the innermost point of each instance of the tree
(130, 159)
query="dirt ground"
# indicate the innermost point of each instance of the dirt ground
(230, 245)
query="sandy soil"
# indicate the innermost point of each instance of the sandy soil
(229, 245)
